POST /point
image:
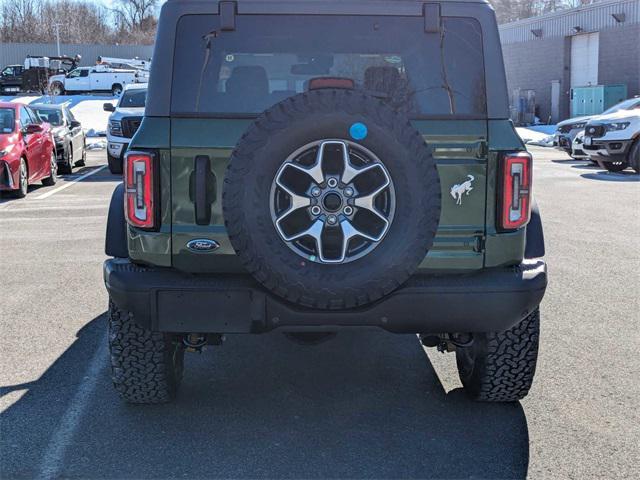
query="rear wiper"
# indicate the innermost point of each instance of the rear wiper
(208, 38)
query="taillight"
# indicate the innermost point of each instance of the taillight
(139, 185)
(515, 208)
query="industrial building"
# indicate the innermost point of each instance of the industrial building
(551, 57)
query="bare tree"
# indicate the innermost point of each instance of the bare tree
(512, 10)
(32, 21)
(136, 12)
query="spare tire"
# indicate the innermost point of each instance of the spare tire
(331, 199)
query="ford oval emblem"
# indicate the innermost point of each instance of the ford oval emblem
(203, 245)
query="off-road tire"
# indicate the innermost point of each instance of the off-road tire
(633, 159)
(315, 116)
(613, 167)
(499, 367)
(146, 366)
(115, 164)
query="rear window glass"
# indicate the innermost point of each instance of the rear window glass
(51, 116)
(267, 59)
(134, 98)
(7, 120)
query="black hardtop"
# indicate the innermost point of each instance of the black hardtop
(159, 96)
(336, 4)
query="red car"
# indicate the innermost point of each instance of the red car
(27, 149)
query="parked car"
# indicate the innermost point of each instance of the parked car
(34, 74)
(568, 129)
(67, 133)
(27, 149)
(11, 79)
(566, 133)
(279, 182)
(124, 122)
(99, 78)
(577, 150)
(613, 140)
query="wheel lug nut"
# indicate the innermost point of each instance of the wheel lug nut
(332, 182)
(348, 210)
(348, 191)
(315, 191)
(315, 210)
(332, 220)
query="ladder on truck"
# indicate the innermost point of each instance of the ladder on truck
(133, 63)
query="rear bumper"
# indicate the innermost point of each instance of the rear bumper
(164, 299)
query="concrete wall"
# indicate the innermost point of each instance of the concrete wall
(534, 64)
(15, 53)
(620, 58)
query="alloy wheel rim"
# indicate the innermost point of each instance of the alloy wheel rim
(23, 177)
(332, 201)
(54, 166)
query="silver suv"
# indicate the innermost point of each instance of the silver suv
(124, 121)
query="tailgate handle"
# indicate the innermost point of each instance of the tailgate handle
(203, 189)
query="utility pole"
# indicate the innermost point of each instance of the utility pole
(57, 27)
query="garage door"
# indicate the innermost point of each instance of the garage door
(584, 59)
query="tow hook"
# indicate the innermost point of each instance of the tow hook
(195, 342)
(447, 342)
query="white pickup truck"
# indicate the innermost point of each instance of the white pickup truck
(99, 78)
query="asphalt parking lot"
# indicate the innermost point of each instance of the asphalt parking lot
(367, 404)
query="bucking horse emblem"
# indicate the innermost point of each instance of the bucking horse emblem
(457, 191)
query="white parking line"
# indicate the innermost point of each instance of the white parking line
(63, 435)
(68, 184)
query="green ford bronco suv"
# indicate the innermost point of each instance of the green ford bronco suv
(314, 165)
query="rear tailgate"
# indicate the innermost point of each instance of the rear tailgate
(459, 147)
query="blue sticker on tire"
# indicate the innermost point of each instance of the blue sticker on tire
(358, 131)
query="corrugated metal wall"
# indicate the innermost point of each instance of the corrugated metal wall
(15, 53)
(591, 18)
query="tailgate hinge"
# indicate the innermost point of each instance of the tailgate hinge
(480, 243)
(227, 11)
(432, 18)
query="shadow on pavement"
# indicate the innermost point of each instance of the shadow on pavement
(627, 176)
(580, 164)
(367, 404)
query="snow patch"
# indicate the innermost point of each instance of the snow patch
(532, 135)
(86, 108)
(95, 144)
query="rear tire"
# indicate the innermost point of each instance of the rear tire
(116, 90)
(613, 167)
(499, 367)
(67, 167)
(115, 164)
(146, 366)
(23, 180)
(83, 160)
(634, 156)
(57, 89)
(53, 171)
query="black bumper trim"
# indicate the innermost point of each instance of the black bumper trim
(164, 299)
